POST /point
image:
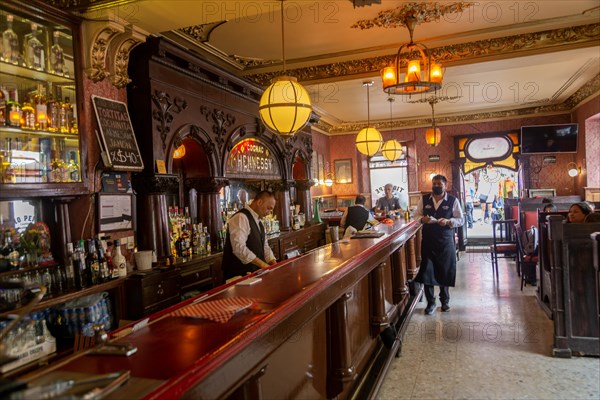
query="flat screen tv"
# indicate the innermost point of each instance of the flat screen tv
(549, 139)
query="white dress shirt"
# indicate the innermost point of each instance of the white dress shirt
(239, 230)
(457, 214)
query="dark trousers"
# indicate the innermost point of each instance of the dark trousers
(469, 212)
(430, 295)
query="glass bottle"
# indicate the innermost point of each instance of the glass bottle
(92, 264)
(119, 260)
(27, 115)
(10, 43)
(74, 167)
(13, 109)
(69, 267)
(207, 241)
(57, 56)
(53, 110)
(65, 116)
(10, 255)
(103, 262)
(40, 107)
(34, 51)
(80, 266)
(3, 101)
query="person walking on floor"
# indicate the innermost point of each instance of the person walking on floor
(439, 213)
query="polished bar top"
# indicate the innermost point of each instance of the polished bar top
(175, 353)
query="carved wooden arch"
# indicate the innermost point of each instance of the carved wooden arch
(306, 158)
(200, 136)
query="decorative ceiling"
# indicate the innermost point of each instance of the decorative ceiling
(502, 59)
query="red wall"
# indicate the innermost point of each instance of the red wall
(588, 156)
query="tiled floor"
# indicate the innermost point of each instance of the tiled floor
(495, 343)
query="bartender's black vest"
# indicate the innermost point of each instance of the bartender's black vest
(357, 217)
(232, 266)
(443, 211)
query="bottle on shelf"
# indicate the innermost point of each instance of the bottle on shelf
(74, 173)
(119, 260)
(92, 264)
(80, 266)
(53, 112)
(13, 109)
(207, 245)
(9, 253)
(34, 50)
(104, 273)
(3, 111)
(40, 107)
(66, 116)
(10, 43)
(57, 56)
(69, 267)
(27, 115)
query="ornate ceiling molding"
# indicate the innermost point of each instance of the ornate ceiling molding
(414, 12)
(200, 33)
(589, 89)
(464, 53)
(90, 5)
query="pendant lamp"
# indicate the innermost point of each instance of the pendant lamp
(433, 135)
(392, 149)
(369, 140)
(285, 105)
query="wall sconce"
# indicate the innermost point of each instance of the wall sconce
(573, 170)
(179, 152)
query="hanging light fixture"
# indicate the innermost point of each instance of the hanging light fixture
(421, 74)
(368, 140)
(179, 152)
(285, 105)
(433, 135)
(392, 149)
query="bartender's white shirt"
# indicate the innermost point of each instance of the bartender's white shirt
(239, 230)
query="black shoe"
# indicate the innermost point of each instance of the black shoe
(445, 307)
(430, 309)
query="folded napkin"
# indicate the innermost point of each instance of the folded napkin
(220, 310)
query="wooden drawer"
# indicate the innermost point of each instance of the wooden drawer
(160, 291)
(287, 244)
(151, 292)
(197, 278)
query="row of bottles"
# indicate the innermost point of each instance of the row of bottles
(33, 159)
(39, 111)
(89, 263)
(29, 49)
(187, 239)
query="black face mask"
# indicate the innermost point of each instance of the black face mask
(437, 190)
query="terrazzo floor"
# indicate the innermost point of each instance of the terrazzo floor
(494, 343)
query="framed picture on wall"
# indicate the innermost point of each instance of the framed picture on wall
(343, 170)
(321, 168)
(314, 165)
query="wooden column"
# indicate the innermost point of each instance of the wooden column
(208, 204)
(341, 368)
(412, 267)
(281, 190)
(399, 276)
(303, 197)
(152, 223)
(62, 223)
(379, 318)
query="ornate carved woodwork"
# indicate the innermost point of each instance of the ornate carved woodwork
(165, 107)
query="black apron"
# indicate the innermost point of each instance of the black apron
(438, 254)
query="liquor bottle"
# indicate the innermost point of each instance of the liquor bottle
(80, 266)
(92, 264)
(57, 56)
(119, 260)
(65, 116)
(13, 109)
(74, 173)
(10, 255)
(3, 101)
(207, 241)
(34, 50)
(69, 267)
(27, 115)
(10, 43)
(40, 107)
(201, 240)
(104, 275)
(53, 111)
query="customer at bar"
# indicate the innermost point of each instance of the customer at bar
(246, 247)
(578, 212)
(357, 215)
(439, 213)
(388, 202)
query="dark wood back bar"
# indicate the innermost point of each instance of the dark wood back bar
(312, 332)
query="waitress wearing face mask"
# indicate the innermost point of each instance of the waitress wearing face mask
(439, 213)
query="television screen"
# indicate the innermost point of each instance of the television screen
(549, 139)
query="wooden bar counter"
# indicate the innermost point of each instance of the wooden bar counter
(313, 331)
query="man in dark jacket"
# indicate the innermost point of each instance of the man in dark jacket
(246, 247)
(439, 213)
(357, 216)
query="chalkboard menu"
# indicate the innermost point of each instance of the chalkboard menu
(116, 135)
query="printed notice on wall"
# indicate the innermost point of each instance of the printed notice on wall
(114, 212)
(117, 137)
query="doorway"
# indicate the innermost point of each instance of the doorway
(488, 187)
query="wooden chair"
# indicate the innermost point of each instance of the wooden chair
(504, 243)
(525, 263)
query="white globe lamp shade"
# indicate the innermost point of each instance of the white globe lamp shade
(368, 141)
(392, 150)
(285, 106)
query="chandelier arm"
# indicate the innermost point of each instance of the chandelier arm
(282, 38)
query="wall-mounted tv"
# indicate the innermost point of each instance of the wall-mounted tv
(549, 139)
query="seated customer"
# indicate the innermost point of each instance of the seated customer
(357, 216)
(388, 202)
(549, 207)
(592, 217)
(578, 212)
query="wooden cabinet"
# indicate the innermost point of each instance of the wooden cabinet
(150, 292)
(202, 274)
(301, 241)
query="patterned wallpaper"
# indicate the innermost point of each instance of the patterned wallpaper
(420, 168)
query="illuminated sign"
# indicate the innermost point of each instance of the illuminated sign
(251, 157)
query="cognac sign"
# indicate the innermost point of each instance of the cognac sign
(251, 158)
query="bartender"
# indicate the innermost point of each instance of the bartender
(388, 202)
(246, 247)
